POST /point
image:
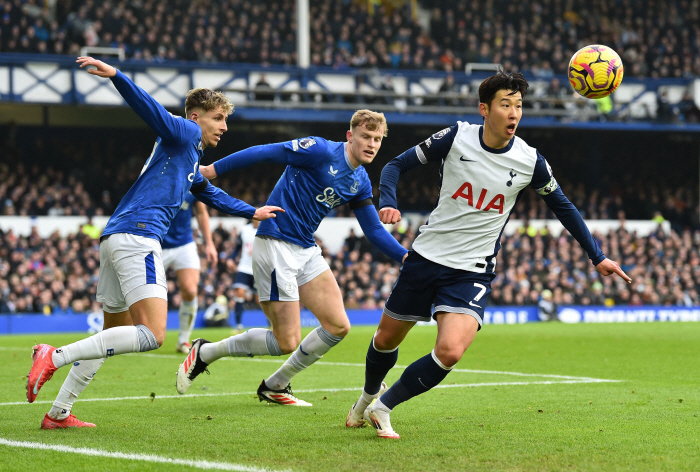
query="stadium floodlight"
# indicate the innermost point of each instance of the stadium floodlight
(97, 51)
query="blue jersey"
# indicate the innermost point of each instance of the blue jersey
(318, 178)
(180, 231)
(167, 176)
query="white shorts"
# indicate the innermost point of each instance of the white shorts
(131, 269)
(182, 257)
(280, 268)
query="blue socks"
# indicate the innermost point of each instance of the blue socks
(377, 365)
(419, 377)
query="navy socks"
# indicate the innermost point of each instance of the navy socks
(419, 377)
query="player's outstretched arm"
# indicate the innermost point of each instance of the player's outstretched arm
(275, 153)
(217, 198)
(168, 127)
(377, 234)
(609, 267)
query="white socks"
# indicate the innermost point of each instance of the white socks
(188, 313)
(312, 348)
(107, 343)
(254, 342)
(78, 378)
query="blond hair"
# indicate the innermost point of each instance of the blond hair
(369, 119)
(207, 100)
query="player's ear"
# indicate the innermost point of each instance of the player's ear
(483, 109)
(348, 135)
(194, 115)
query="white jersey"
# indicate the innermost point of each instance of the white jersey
(478, 189)
(245, 264)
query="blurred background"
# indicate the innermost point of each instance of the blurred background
(70, 148)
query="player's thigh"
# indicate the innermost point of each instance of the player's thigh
(112, 320)
(285, 322)
(456, 332)
(187, 280)
(322, 297)
(463, 292)
(109, 290)
(276, 265)
(413, 294)
(391, 332)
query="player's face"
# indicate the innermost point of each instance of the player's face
(364, 144)
(501, 118)
(213, 124)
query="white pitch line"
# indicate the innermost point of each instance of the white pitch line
(315, 390)
(350, 364)
(199, 464)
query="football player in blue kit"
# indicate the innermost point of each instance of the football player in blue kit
(287, 264)
(447, 274)
(132, 286)
(180, 253)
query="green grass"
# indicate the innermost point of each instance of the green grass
(650, 420)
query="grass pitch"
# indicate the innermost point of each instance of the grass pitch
(604, 397)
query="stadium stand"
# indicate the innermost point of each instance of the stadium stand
(58, 275)
(654, 39)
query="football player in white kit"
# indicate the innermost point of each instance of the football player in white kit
(180, 253)
(448, 273)
(244, 283)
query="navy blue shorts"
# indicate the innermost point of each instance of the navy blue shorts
(246, 281)
(424, 288)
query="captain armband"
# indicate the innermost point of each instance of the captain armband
(360, 204)
(200, 187)
(549, 188)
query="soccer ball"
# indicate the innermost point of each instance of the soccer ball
(595, 71)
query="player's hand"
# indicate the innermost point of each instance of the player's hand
(389, 216)
(208, 171)
(101, 70)
(404, 258)
(212, 255)
(607, 267)
(266, 212)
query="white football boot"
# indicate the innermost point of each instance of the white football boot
(355, 418)
(381, 422)
(191, 367)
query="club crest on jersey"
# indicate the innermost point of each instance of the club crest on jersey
(306, 143)
(466, 192)
(329, 198)
(512, 176)
(355, 186)
(333, 172)
(441, 133)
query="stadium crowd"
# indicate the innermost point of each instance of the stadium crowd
(654, 39)
(58, 275)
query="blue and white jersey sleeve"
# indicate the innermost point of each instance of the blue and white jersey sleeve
(435, 148)
(307, 152)
(171, 129)
(545, 184)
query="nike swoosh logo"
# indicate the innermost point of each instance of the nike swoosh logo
(474, 304)
(461, 158)
(302, 351)
(37, 382)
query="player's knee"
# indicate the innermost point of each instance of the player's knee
(288, 344)
(383, 341)
(449, 355)
(341, 330)
(188, 293)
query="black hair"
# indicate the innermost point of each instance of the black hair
(502, 81)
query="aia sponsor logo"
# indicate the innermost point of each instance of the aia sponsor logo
(467, 192)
